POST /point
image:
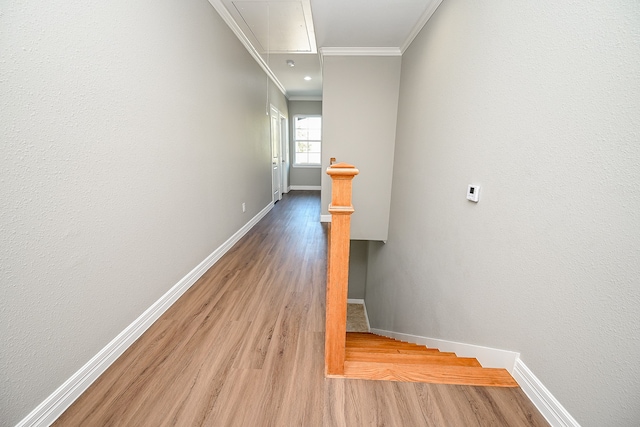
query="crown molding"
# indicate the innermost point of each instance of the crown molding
(226, 16)
(424, 18)
(305, 98)
(360, 51)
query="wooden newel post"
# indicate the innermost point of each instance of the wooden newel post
(338, 266)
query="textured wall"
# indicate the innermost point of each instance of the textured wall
(298, 175)
(360, 104)
(123, 125)
(538, 102)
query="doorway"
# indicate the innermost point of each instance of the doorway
(276, 156)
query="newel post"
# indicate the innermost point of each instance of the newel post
(338, 266)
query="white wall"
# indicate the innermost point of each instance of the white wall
(538, 102)
(360, 103)
(123, 125)
(303, 175)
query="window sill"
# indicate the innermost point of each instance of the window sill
(307, 166)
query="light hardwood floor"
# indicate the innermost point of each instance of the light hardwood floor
(244, 347)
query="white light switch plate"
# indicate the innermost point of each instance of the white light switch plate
(473, 193)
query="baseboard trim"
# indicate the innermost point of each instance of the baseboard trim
(366, 316)
(325, 218)
(305, 187)
(487, 356)
(542, 398)
(54, 405)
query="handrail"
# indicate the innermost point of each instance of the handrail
(338, 267)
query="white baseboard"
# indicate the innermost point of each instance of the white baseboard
(366, 316)
(54, 405)
(305, 187)
(325, 218)
(542, 398)
(488, 357)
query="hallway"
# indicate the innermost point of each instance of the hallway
(244, 347)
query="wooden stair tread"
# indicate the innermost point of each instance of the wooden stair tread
(428, 359)
(369, 337)
(383, 344)
(389, 350)
(461, 375)
(374, 357)
(366, 339)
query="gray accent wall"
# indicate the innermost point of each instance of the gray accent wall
(360, 104)
(303, 175)
(132, 132)
(358, 255)
(538, 103)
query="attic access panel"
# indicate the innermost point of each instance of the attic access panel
(276, 26)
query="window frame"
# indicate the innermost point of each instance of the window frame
(295, 142)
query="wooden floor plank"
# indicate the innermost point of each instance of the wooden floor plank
(244, 347)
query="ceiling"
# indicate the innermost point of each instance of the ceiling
(275, 31)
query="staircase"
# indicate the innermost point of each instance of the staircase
(373, 357)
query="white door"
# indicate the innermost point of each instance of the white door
(275, 155)
(284, 154)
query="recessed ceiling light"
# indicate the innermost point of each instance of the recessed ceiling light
(307, 78)
(290, 63)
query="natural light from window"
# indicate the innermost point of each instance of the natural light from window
(308, 140)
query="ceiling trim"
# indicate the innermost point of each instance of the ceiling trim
(226, 16)
(305, 98)
(360, 51)
(424, 18)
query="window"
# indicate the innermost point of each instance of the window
(307, 140)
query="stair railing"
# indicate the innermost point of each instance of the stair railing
(338, 266)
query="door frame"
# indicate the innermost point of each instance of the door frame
(276, 155)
